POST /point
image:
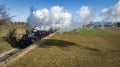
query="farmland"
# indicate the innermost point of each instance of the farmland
(84, 48)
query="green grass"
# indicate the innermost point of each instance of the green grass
(90, 31)
(86, 48)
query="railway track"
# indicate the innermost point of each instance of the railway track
(6, 55)
(9, 53)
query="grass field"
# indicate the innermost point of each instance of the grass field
(83, 48)
(4, 46)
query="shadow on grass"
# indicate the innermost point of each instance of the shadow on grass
(61, 44)
(91, 49)
(54, 42)
(47, 42)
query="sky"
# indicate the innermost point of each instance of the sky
(21, 8)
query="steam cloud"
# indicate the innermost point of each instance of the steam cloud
(55, 18)
(112, 14)
(58, 18)
(83, 11)
(85, 14)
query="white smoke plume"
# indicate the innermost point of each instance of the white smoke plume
(84, 11)
(86, 15)
(58, 18)
(55, 18)
(111, 14)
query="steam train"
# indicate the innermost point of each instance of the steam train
(31, 37)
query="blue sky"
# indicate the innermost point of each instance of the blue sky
(20, 8)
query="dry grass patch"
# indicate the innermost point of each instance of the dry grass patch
(4, 46)
(74, 50)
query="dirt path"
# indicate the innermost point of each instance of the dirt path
(23, 52)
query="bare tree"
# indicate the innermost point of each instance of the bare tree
(4, 15)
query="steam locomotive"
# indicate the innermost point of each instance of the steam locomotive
(31, 37)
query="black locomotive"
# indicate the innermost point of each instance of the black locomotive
(31, 37)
